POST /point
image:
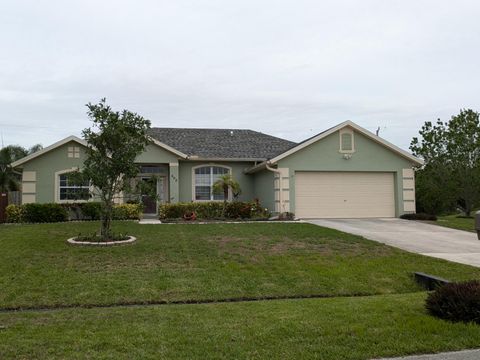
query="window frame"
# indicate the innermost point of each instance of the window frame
(351, 133)
(229, 169)
(73, 152)
(57, 188)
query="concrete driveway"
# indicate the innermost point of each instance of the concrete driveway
(426, 239)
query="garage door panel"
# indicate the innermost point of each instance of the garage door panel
(344, 194)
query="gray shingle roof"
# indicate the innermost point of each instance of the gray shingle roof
(222, 143)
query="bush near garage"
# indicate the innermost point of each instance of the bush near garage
(419, 216)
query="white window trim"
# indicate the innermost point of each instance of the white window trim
(209, 165)
(57, 186)
(346, 131)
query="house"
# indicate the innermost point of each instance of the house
(343, 172)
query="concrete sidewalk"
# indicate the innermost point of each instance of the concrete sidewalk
(457, 355)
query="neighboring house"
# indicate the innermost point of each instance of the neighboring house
(343, 172)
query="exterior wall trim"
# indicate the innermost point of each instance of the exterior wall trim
(346, 130)
(169, 148)
(56, 184)
(29, 187)
(408, 187)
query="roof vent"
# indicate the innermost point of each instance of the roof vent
(231, 132)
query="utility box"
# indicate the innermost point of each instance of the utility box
(477, 223)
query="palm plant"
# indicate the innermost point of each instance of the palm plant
(223, 185)
(9, 178)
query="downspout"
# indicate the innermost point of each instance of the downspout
(280, 195)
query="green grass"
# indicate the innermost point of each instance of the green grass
(336, 329)
(198, 262)
(171, 263)
(454, 222)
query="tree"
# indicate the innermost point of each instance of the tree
(113, 144)
(451, 151)
(9, 178)
(223, 185)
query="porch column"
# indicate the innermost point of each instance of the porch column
(173, 182)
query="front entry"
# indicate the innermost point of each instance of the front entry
(150, 202)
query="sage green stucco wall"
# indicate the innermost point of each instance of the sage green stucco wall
(324, 155)
(185, 178)
(264, 189)
(57, 159)
(155, 154)
(48, 164)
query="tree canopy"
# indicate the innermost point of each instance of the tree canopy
(9, 179)
(113, 143)
(450, 176)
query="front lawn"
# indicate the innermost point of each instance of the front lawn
(202, 262)
(455, 222)
(328, 329)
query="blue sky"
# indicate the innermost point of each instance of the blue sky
(287, 68)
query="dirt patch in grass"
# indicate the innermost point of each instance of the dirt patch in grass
(270, 246)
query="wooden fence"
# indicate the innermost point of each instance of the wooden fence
(3, 206)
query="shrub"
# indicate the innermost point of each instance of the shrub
(38, 213)
(213, 210)
(419, 216)
(286, 216)
(14, 213)
(74, 210)
(127, 211)
(456, 302)
(91, 210)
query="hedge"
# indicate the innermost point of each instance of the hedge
(52, 212)
(36, 213)
(213, 210)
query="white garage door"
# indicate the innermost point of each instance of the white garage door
(344, 195)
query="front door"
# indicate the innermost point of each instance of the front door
(149, 202)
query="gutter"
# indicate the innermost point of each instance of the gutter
(256, 168)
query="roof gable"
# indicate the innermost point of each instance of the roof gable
(355, 127)
(48, 149)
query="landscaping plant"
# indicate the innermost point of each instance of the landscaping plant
(456, 302)
(450, 177)
(113, 143)
(9, 178)
(224, 185)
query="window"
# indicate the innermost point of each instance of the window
(73, 152)
(204, 178)
(346, 141)
(153, 169)
(69, 190)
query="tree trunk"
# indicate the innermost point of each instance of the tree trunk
(468, 207)
(105, 232)
(225, 198)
